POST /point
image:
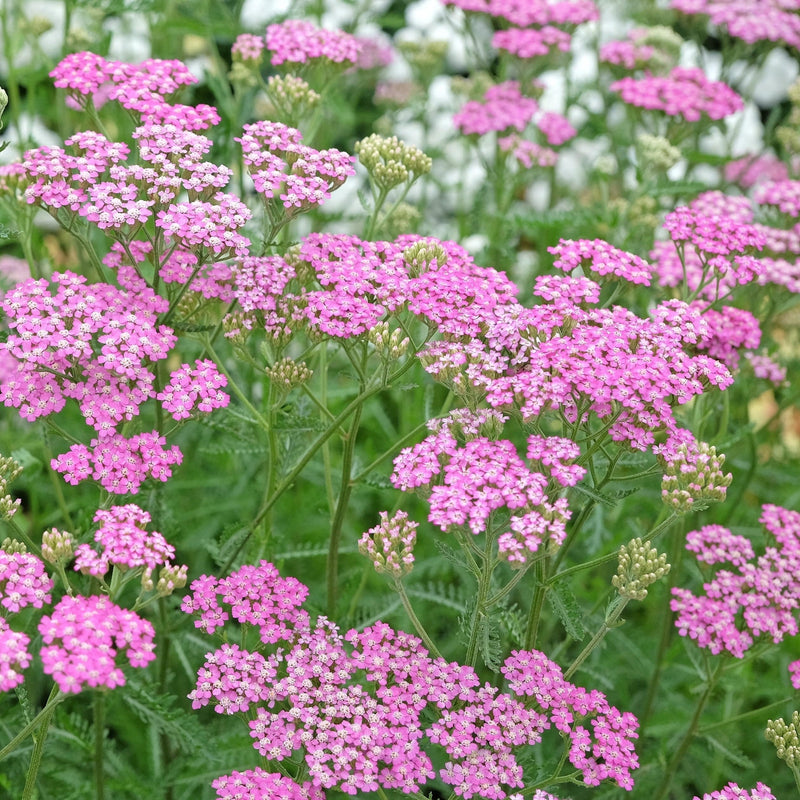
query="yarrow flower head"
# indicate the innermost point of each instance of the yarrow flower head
(14, 656)
(299, 42)
(685, 92)
(390, 161)
(503, 109)
(734, 792)
(83, 638)
(125, 544)
(23, 580)
(757, 598)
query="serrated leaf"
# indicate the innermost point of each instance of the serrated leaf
(598, 497)
(443, 594)
(27, 460)
(734, 756)
(489, 644)
(566, 608)
(451, 554)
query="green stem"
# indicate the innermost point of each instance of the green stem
(484, 584)
(99, 709)
(691, 730)
(745, 715)
(418, 626)
(52, 701)
(345, 489)
(535, 612)
(41, 722)
(608, 623)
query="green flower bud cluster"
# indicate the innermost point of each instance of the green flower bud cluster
(242, 74)
(286, 374)
(390, 161)
(57, 547)
(788, 134)
(9, 470)
(391, 346)
(292, 96)
(419, 257)
(424, 58)
(656, 153)
(639, 566)
(404, 218)
(12, 546)
(170, 578)
(694, 478)
(667, 44)
(786, 739)
(3, 104)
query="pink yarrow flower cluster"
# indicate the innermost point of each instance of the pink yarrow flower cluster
(503, 109)
(299, 42)
(532, 42)
(757, 598)
(124, 543)
(255, 784)
(601, 260)
(533, 12)
(685, 92)
(14, 656)
(749, 20)
(23, 582)
(143, 88)
(734, 792)
(282, 167)
(362, 709)
(466, 482)
(83, 637)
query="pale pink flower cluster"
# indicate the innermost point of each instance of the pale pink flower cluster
(256, 784)
(141, 88)
(532, 42)
(533, 12)
(83, 637)
(125, 543)
(783, 194)
(749, 20)
(758, 598)
(197, 387)
(248, 47)
(734, 792)
(503, 108)
(767, 368)
(685, 92)
(282, 166)
(526, 152)
(299, 41)
(750, 170)
(362, 708)
(628, 53)
(14, 656)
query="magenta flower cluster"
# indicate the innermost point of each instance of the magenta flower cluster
(83, 637)
(125, 543)
(749, 20)
(685, 92)
(465, 482)
(299, 42)
(735, 792)
(756, 597)
(532, 12)
(364, 709)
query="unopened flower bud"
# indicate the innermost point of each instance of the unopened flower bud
(3, 104)
(390, 545)
(639, 566)
(656, 153)
(9, 470)
(171, 578)
(12, 546)
(693, 478)
(57, 546)
(390, 161)
(786, 739)
(420, 257)
(286, 374)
